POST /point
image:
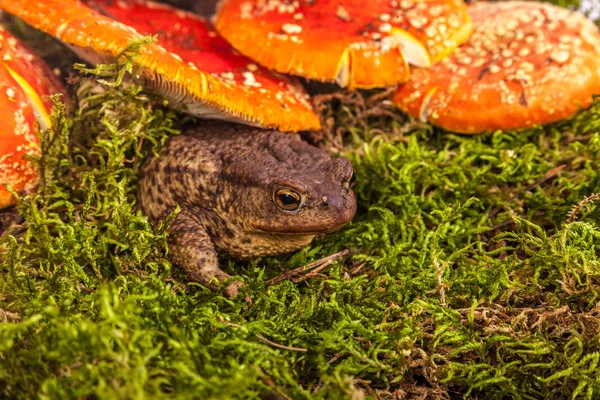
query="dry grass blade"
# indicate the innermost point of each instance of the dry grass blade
(280, 346)
(319, 265)
(261, 337)
(550, 174)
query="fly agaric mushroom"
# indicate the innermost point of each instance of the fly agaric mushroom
(526, 64)
(193, 39)
(357, 43)
(278, 104)
(26, 84)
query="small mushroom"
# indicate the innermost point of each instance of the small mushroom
(357, 43)
(526, 64)
(181, 67)
(26, 84)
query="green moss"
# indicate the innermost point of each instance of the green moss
(469, 273)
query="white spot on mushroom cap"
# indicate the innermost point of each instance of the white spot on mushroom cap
(342, 13)
(291, 29)
(385, 28)
(250, 79)
(560, 56)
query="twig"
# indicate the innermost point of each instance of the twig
(582, 138)
(503, 224)
(336, 357)
(264, 339)
(280, 392)
(227, 323)
(318, 387)
(554, 171)
(542, 317)
(550, 174)
(314, 272)
(512, 222)
(356, 270)
(319, 264)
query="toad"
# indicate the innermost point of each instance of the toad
(243, 193)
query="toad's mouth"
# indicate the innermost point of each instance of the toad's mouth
(301, 230)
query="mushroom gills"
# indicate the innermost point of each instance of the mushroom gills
(39, 111)
(178, 96)
(424, 109)
(414, 51)
(90, 55)
(343, 73)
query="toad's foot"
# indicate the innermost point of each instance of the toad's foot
(191, 248)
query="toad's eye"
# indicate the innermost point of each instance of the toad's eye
(287, 199)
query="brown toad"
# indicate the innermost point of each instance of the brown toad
(243, 193)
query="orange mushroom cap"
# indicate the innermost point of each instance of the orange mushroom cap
(359, 44)
(26, 84)
(98, 38)
(526, 64)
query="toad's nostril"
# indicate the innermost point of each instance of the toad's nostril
(335, 203)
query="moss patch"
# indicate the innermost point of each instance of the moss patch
(473, 271)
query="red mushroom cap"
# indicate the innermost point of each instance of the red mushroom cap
(97, 37)
(26, 84)
(359, 44)
(526, 64)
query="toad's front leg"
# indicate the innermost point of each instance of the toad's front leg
(192, 249)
